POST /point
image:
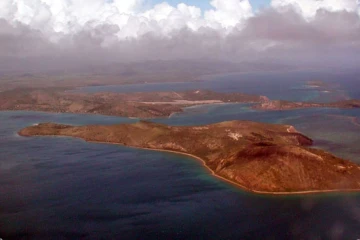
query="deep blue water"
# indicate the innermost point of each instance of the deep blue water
(64, 188)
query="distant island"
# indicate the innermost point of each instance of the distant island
(280, 105)
(317, 84)
(138, 105)
(141, 104)
(257, 157)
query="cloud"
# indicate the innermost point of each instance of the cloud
(70, 16)
(45, 34)
(309, 8)
(229, 13)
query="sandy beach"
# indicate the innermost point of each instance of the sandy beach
(185, 102)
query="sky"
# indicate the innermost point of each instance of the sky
(205, 4)
(296, 32)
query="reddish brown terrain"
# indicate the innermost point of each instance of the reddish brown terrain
(258, 157)
(280, 105)
(142, 105)
(277, 105)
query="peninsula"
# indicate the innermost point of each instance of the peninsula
(258, 157)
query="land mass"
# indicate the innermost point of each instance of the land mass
(141, 104)
(317, 84)
(25, 73)
(258, 157)
(277, 105)
(280, 105)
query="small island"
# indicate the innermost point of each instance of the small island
(317, 84)
(281, 105)
(257, 157)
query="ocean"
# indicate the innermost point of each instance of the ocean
(64, 188)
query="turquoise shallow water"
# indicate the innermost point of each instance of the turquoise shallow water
(63, 188)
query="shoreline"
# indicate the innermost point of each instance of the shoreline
(229, 181)
(185, 106)
(242, 187)
(185, 102)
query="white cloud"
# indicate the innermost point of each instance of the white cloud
(122, 30)
(100, 33)
(229, 13)
(169, 18)
(308, 8)
(70, 16)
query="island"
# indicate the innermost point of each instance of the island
(257, 157)
(136, 105)
(281, 105)
(141, 104)
(317, 84)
